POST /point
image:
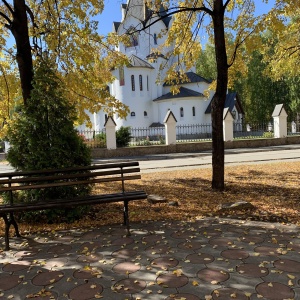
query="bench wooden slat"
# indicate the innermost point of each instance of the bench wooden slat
(67, 183)
(68, 176)
(69, 170)
(63, 203)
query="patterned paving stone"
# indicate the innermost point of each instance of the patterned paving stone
(252, 239)
(287, 265)
(55, 263)
(267, 250)
(275, 291)
(129, 286)
(86, 291)
(9, 282)
(228, 294)
(193, 245)
(85, 274)
(126, 268)
(200, 258)
(252, 270)
(122, 241)
(172, 280)
(225, 242)
(164, 263)
(183, 296)
(16, 266)
(158, 249)
(60, 249)
(47, 278)
(152, 239)
(124, 253)
(90, 257)
(213, 275)
(235, 254)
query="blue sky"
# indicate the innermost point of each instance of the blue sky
(112, 12)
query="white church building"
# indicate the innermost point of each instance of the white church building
(136, 84)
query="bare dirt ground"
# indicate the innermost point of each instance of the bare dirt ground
(273, 190)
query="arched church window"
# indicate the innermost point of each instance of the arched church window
(147, 83)
(141, 82)
(194, 111)
(145, 114)
(133, 35)
(132, 114)
(181, 112)
(132, 83)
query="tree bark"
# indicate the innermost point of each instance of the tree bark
(219, 98)
(19, 29)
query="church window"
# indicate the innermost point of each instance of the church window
(181, 112)
(145, 114)
(147, 83)
(194, 111)
(121, 76)
(132, 114)
(132, 83)
(141, 82)
(133, 37)
(155, 39)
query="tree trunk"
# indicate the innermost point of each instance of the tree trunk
(219, 98)
(19, 29)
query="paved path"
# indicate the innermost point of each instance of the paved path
(207, 259)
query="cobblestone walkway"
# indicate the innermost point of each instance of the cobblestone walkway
(207, 259)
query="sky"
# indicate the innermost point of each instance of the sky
(112, 12)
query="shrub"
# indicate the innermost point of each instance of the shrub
(42, 136)
(123, 136)
(100, 140)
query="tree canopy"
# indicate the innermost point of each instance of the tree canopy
(68, 32)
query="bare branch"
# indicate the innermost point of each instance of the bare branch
(8, 6)
(29, 11)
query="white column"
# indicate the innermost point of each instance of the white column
(110, 128)
(280, 121)
(227, 125)
(170, 125)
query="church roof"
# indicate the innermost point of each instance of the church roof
(183, 93)
(136, 62)
(116, 26)
(192, 78)
(232, 99)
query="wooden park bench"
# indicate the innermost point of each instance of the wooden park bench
(44, 179)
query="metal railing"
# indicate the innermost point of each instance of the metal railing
(94, 138)
(293, 128)
(146, 136)
(193, 133)
(253, 130)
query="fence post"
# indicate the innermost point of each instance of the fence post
(293, 127)
(280, 121)
(110, 128)
(170, 125)
(227, 125)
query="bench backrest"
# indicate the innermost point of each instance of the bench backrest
(97, 173)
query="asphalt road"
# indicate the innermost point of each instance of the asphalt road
(177, 161)
(166, 162)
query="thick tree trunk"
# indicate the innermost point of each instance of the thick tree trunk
(219, 97)
(19, 29)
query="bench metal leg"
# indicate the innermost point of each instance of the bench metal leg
(8, 222)
(126, 217)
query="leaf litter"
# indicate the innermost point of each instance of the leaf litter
(273, 189)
